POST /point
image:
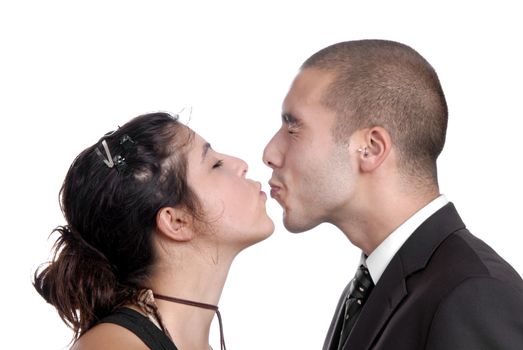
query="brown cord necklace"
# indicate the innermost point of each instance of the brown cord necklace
(197, 304)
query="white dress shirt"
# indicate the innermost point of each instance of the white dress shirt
(378, 260)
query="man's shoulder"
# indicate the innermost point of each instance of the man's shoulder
(466, 256)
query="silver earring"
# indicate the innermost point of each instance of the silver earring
(364, 150)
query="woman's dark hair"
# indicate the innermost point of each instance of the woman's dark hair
(104, 253)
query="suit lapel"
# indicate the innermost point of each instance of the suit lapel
(392, 287)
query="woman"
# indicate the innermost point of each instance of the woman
(154, 218)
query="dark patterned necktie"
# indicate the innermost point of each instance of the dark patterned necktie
(361, 287)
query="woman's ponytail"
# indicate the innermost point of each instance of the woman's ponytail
(79, 282)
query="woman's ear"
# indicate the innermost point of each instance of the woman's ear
(377, 147)
(174, 224)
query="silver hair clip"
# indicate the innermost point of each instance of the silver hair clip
(109, 161)
(118, 161)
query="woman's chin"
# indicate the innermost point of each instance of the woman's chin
(256, 237)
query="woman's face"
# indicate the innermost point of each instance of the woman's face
(234, 206)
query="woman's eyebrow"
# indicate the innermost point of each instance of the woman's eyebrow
(206, 147)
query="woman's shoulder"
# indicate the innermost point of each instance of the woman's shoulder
(109, 336)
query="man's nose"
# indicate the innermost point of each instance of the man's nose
(272, 156)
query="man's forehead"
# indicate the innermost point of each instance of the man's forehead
(310, 84)
(308, 88)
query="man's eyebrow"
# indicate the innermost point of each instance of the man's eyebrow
(205, 149)
(288, 118)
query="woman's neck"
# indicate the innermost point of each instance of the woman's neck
(195, 277)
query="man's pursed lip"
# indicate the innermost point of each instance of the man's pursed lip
(274, 189)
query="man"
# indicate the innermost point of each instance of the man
(362, 126)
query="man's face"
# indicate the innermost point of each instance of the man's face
(311, 173)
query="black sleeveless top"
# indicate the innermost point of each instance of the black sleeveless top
(142, 327)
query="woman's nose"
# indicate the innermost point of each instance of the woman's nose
(242, 167)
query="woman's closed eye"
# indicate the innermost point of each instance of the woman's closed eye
(218, 164)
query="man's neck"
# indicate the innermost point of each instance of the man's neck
(375, 220)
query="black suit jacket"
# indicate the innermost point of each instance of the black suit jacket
(444, 290)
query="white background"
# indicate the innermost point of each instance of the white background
(71, 71)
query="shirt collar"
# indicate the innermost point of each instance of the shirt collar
(378, 260)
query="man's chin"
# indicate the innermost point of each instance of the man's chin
(293, 225)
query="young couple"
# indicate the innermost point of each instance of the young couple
(155, 217)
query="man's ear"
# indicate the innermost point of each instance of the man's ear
(377, 147)
(174, 224)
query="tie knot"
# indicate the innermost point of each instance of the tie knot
(362, 283)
